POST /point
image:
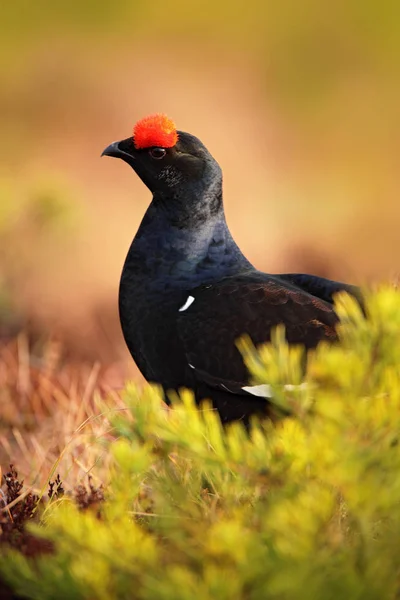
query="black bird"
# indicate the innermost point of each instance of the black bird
(187, 292)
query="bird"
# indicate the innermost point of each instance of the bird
(187, 292)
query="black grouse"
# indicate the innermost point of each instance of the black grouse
(187, 292)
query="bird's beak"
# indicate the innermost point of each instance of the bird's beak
(120, 150)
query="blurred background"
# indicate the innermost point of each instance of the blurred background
(298, 101)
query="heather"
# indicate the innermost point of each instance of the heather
(303, 506)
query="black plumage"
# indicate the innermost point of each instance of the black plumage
(187, 292)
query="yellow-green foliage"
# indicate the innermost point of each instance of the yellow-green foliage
(305, 508)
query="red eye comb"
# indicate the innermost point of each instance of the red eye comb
(155, 130)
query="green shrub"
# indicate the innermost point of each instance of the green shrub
(307, 507)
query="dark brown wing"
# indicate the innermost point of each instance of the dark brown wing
(325, 289)
(252, 304)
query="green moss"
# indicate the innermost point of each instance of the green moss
(307, 507)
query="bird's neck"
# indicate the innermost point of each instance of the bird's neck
(179, 246)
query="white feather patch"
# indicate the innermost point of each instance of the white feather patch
(265, 390)
(189, 301)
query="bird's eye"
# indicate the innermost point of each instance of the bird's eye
(157, 153)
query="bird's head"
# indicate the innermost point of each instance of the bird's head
(165, 159)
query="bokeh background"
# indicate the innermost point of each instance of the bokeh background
(298, 101)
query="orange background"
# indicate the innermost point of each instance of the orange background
(298, 101)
